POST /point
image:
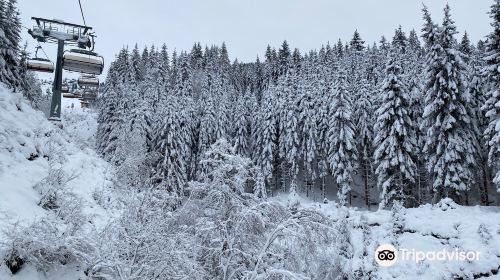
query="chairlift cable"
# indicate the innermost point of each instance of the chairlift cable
(81, 10)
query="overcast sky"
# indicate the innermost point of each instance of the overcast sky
(248, 26)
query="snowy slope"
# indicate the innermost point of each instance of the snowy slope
(25, 135)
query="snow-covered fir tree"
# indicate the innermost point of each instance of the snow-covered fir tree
(342, 153)
(10, 37)
(491, 107)
(449, 145)
(394, 142)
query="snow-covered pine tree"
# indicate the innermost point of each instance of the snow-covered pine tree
(322, 96)
(399, 40)
(466, 48)
(307, 128)
(135, 64)
(491, 107)
(394, 142)
(208, 124)
(363, 112)
(356, 43)
(123, 68)
(289, 140)
(342, 153)
(284, 55)
(136, 146)
(413, 80)
(414, 43)
(429, 30)
(259, 189)
(449, 145)
(476, 90)
(109, 122)
(10, 37)
(240, 128)
(265, 135)
(171, 147)
(164, 66)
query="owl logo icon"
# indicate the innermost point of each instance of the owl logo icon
(386, 255)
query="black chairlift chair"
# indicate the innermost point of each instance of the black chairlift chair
(40, 64)
(88, 82)
(83, 61)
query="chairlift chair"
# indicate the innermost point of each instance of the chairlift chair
(40, 64)
(84, 104)
(88, 82)
(74, 94)
(64, 89)
(83, 61)
(89, 96)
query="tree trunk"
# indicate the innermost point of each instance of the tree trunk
(323, 190)
(486, 184)
(367, 191)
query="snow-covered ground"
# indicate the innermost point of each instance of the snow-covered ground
(444, 226)
(25, 135)
(24, 138)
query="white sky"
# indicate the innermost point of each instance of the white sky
(248, 26)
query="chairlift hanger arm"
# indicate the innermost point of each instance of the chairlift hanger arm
(39, 22)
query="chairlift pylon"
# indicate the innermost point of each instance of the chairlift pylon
(40, 64)
(83, 61)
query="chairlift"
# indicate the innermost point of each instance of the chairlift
(69, 95)
(83, 61)
(89, 96)
(72, 95)
(40, 64)
(88, 82)
(84, 104)
(64, 89)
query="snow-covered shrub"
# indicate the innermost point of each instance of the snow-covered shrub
(343, 245)
(222, 231)
(364, 268)
(293, 197)
(47, 243)
(484, 233)
(446, 204)
(244, 237)
(147, 242)
(53, 188)
(398, 220)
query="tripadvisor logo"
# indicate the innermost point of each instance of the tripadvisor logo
(387, 255)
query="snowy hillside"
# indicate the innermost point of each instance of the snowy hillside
(27, 141)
